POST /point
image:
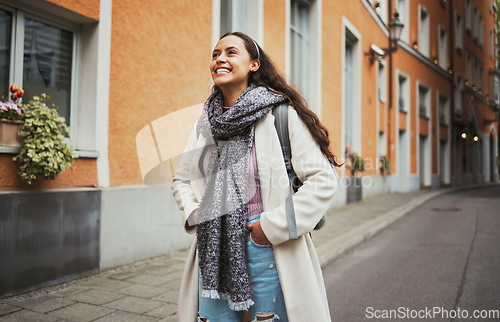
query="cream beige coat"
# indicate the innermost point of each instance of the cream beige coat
(296, 260)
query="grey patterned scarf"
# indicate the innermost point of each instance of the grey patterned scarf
(222, 216)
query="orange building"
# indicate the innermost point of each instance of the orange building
(130, 77)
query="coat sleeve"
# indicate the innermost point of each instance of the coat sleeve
(314, 197)
(181, 183)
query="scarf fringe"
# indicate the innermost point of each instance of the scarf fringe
(235, 306)
(211, 294)
(240, 306)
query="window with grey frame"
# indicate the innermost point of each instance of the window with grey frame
(423, 38)
(240, 15)
(299, 44)
(382, 82)
(443, 47)
(422, 100)
(47, 60)
(442, 109)
(348, 91)
(458, 31)
(458, 95)
(401, 92)
(468, 12)
(6, 20)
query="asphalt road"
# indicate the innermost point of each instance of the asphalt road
(439, 263)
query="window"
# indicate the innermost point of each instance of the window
(497, 90)
(423, 100)
(475, 25)
(403, 100)
(382, 80)
(480, 82)
(443, 47)
(458, 94)
(443, 109)
(348, 91)
(480, 31)
(5, 41)
(458, 31)
(423, 32)
(47, 58)
(492, 44)
(382, 10)
(475, 73)
(468, 67)
(478, 74)
(299, 44)
(382, 144)
(241, 15)
(352, 53)
(468, 23)
(402, 7)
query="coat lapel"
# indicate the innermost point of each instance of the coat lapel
(198, 184)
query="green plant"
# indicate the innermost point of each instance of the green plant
(356, 162)
(44, 152)
(385, 165)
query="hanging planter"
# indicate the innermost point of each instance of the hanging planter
(9, 133)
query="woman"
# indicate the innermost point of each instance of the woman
(232, 187)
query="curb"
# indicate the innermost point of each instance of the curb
(338, 246)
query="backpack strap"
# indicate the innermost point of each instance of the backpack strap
(280, 113)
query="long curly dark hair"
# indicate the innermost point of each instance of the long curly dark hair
(269, 76)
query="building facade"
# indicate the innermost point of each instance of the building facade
(131, 77)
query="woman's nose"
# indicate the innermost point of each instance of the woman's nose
(221, 58)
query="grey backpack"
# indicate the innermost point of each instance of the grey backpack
(280, 113)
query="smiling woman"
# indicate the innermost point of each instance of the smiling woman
(243, 255)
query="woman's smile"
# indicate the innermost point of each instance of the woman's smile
(222, 71)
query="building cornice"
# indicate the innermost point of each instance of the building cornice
(416, 54)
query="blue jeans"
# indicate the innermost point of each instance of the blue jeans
(266, 288)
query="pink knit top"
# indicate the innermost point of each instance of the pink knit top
(254, 204)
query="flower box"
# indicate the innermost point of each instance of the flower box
(9, 133)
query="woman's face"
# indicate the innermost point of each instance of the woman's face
(231, 64)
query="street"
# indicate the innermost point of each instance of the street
(439, 262)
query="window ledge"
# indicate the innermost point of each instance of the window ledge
(8, 149)
(81, 153)
(87, 154)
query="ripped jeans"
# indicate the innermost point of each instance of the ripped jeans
(266, 289)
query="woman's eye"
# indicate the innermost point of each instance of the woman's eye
(215, 55)
(232, 52)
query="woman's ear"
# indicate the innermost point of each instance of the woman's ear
(255, 65)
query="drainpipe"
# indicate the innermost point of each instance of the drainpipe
(452, 116)
(389, 147)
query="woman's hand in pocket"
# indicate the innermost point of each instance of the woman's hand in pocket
(258, 235)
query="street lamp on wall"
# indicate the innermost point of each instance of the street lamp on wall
(395, 28)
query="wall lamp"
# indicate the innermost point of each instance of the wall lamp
(395, 28)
